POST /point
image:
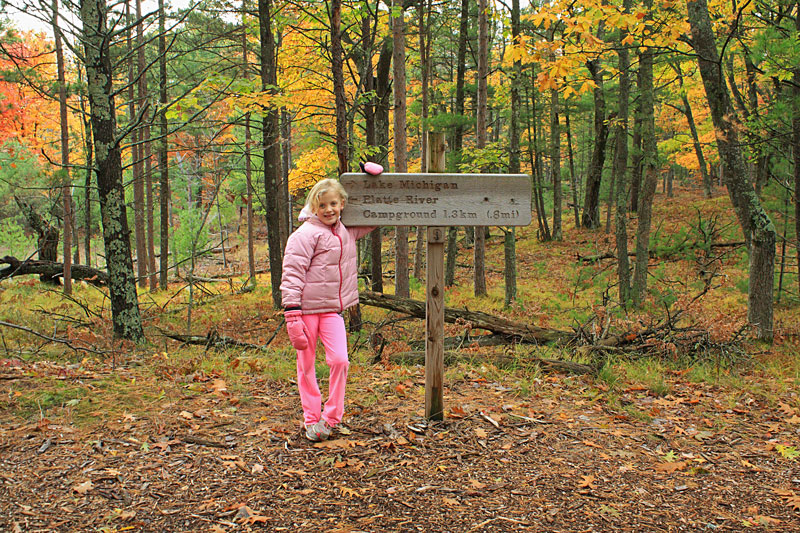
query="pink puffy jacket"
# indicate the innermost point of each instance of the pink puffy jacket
(320, 267)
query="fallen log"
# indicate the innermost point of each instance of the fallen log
(52, 269)
(653, 254)
(418, 358)
(212, 340)
(495, 324)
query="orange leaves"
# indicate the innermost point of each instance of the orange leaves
(587, 482)
(83, 488)
(790, 497)
(671, 467)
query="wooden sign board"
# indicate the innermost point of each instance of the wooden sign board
(433, 199)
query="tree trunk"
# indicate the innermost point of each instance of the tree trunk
(573, 177)
(116, 236)
(337, 66)
(86, 134)
(248, 166)
(796, 151)
(479, 247)
(755, 222)
(48, 237)
(458, 135)
(400, 147)
(66, 189)
(650, 178)
(636, 150)
(87, 186)
(272, 152)
(510, 240)
(555, 156)
(287, 213)
(422, 7)
(591, 202)
(383, 94)
(621, 170)
(146, 150)
(163, 164)
(136, 158)
(610, 202)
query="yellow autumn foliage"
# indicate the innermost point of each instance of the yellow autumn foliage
(312, 166)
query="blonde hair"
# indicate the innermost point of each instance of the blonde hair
(323, 186)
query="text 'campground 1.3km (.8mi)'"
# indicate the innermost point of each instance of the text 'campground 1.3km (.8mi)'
(437, 199)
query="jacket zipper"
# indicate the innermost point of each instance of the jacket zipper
(341, 278)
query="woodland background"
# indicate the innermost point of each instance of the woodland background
(152, 163)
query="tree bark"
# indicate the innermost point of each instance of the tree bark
(272, 155)
(755, 222)
(479, 246)
(555, 155)
(337, 66)
(248, 166)
(383, 94)
(636, 150)
(573, 177)
(594, 175)
(400, 146)
(48, 236)
(136, 158)
(146, 150)
(476, 319)
(510, 240)
(458, 135)
(87, 187)
(116, 235)
(66, 189)
(650, 178)
(422, 7)
(163, 163)
(51, 270)
(796, 151)
(621, 169)
(86, 134)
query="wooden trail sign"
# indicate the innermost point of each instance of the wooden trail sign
(436, 200)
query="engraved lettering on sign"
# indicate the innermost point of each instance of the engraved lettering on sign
(377, 184)
(409, 199)
(427, 185)
(420, 200)
(497, 214)
(400, 215)
(386, 199)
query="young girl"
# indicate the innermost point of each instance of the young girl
(319, 282)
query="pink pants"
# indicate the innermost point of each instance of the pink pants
(328, 327)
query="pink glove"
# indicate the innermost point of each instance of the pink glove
(371, 168)
(296, 329)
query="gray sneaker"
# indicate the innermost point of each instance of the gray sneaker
(319, 431)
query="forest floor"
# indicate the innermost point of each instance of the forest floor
(199, 457)
(179, 438)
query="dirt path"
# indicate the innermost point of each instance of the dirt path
(559, 460)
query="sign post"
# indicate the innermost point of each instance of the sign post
(434, 298)
(436, 200)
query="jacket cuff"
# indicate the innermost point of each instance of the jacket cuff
(292, 308)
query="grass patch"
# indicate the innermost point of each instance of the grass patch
(648, 373)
